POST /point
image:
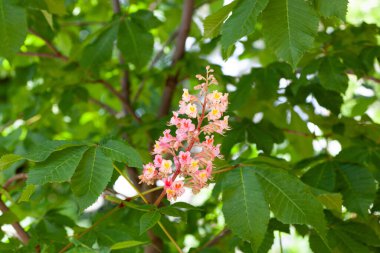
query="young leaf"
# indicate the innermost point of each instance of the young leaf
(100, 50)
(91, 177)
(289, 27)
(213, 22)
(59, 167)
(244, 206)
(13, 28)
(290, 200)
(127, 244)
(27, 193)
(122, 152)
(135, 43)
(7, 160)
(148, 220)
(242, 21)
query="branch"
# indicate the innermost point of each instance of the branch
(57, 53)
(171, 82)
(215, 240)
(42, 55)
(17, 177)
(108, 86)
(21, 234)
(153, 62)
(372, 78)
(124, 80)
(106, 107)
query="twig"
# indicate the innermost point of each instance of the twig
(50, 45)
(124, 80)
(104, 106)
(101, 219)
(19, 176)
(215, 240)
(153, 62)
(171, 82)
(119, 96)
(21, 234)
(42, 55)
(146, 202)
(372, 78)
(83, 23)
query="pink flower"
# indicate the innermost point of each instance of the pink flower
(186, 95)
(184, 158)
(186, 125)
(149, 174)
(192, 148)
(191, 110)
(157, 161)
(166, 167)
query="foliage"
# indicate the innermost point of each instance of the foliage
(87, 86)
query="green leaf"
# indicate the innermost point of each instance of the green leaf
(127, 244)
(45, 149)
(56, 6)
(359, 188)
(148, 220)
(13, 28)
(242, 21)
(332, 74)
(8, 217)
(135, 43)
(185, 205)
(342, 242)
(337, 8)
(59, 167)
(290, 200)
(27, 193)
(91, 177)
(100, 50)
(213, 22)
(289, 27)
(122, 152)
(321, 176)
(244, 207)
(332, 201)
(7, 160)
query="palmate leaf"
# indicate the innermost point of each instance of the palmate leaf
(39, 153)
(59, 167)
(321, 176)
(359, 188)
(135, 43)
(91, 177)
(13, 28)
(248, 191)
(242, 21)
(289, 27)
(290, 200)
(121, 152)
(100, 50)
(244, 206)
(213, 22)
(332, 74)
(148, 220)
(337, 8)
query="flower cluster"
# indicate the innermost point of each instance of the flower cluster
(185, 157)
